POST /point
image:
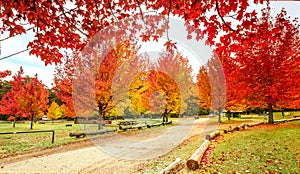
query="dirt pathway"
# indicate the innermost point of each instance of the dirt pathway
(117, 154)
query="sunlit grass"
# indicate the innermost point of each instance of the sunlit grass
(12, 144)
(268, 148)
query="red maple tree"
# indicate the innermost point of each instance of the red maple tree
(28, 98)
(266, 63)
(9, 103)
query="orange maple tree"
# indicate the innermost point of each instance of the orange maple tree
(93, 79)
(170, 78)
(204, 88)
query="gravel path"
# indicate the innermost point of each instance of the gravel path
(117, 154)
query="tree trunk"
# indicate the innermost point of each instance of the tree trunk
(271, 120)
(85, 123)
(282, 112)
(31, 124)
(101, 118)
(219, 118)
(14, 124)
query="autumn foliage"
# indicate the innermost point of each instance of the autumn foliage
(63, 24)
(264, 68)
(28, 98)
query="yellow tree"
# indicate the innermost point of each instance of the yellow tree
(55, 111)
(204, 88)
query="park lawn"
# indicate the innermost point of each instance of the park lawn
(267, 148)
(13, 144)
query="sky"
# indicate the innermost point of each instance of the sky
(33, 65)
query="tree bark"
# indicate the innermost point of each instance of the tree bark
(219, 118)
(193, 161)
(31, 124)
(174, 167)
(101, 118)
(212, 135)
(271, 119)
(14, 124)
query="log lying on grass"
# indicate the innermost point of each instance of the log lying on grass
(193, 162)
(166, 123)
(296, 118)
(287, 120)
(281, 121)
(255, 124)
(138, 126)
(83, 134)
(212, 135)
(153, 125)
(240, 127)
(174, 167)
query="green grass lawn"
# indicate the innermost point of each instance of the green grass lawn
(268, 148)
(12, 144)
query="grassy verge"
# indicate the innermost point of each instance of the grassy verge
(268, 148)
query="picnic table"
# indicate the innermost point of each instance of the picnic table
(128, 124)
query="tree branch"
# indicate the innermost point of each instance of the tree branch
(217, 7)
(63, 11)
(15, 54)
(15, 35)
(112, 12)
(169, 10)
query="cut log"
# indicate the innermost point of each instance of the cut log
(124, 128)
(174, 167)
(212, 135)
(281, 121)
(77, 135)
(227, 130)
(242, 126)
(166, 123)
(193, 161)
(153, 125)
(294, 119)
(255, 124)
(83, 134)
